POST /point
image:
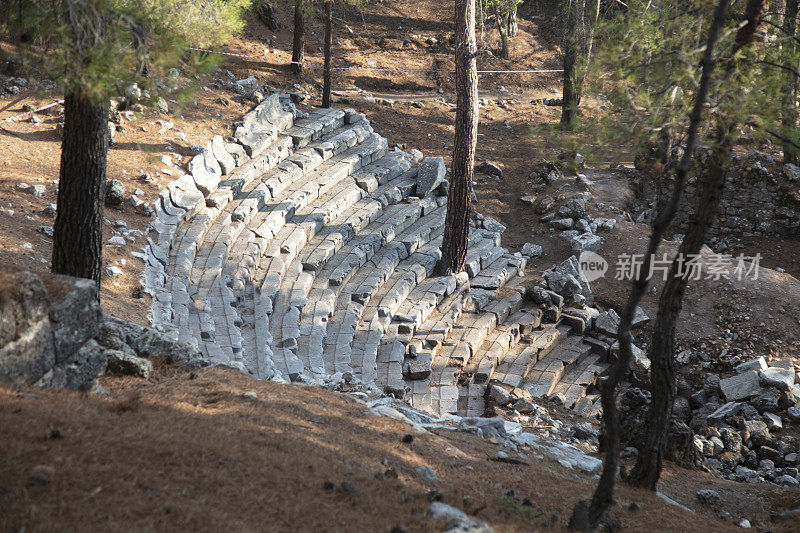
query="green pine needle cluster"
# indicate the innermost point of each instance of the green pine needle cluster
(99, 46)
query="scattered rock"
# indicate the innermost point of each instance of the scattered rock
(427, 473)
(780, 378)
(125, 364)
(531, 250)
(544, 205)
(741, 386)
(707, 497)
(162, 106)
(499, 395)
(50, 211)
(490, 169)
(115, 192)
(562, 223)
(455, 519)
(47, 231)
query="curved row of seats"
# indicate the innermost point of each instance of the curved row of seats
(316, 255)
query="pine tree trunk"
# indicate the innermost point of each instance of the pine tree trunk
(326, 74)
(78, 230)
(586, 515)
(513, 26)
(789, 108)
(570, 99)
(502, 28)
(298, 43)
(456, 229)
(580, 20)
(650, 460)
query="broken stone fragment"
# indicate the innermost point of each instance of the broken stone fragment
(741, 386)
(430, 173)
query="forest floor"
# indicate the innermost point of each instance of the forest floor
(192, 452)
(243, 462)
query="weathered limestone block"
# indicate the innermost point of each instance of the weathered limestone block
(46, 330)
(431, 173)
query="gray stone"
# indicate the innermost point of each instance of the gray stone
(427, 473)
(782, 363)
(456, 520)
(544, 205)
(586, 242)
(500, 395)
(773, 421)
(75, 313)
(524, 406)
(757, 431)
(563, 284)
(571, 266)
(225, 159)
(26, 339)
(707, 496)
(780, 378)
(124, 364)
(640, 318)
(787, 481)
(575, 209)
(562, 223)
(723, 412)
(162, 105)
(489, 168)
(237, 152)
(758, 364)
(144, 342)
(531, 250)
(50, 210)
(79, 370)
(607, 323)
(493, 225)
(794, 413)
(430, 173)
(115, 193)
(741, 386)
(205, 171)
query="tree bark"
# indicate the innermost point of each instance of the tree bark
(78, 230)
(789, 108)
(326, 74)
(298, 42)
(580, 20)
(503, 28)
(649, 462)
(266, 12)
(570, 99)
(585, 516)
(459, 201)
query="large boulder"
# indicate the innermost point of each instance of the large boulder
(46, 331)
